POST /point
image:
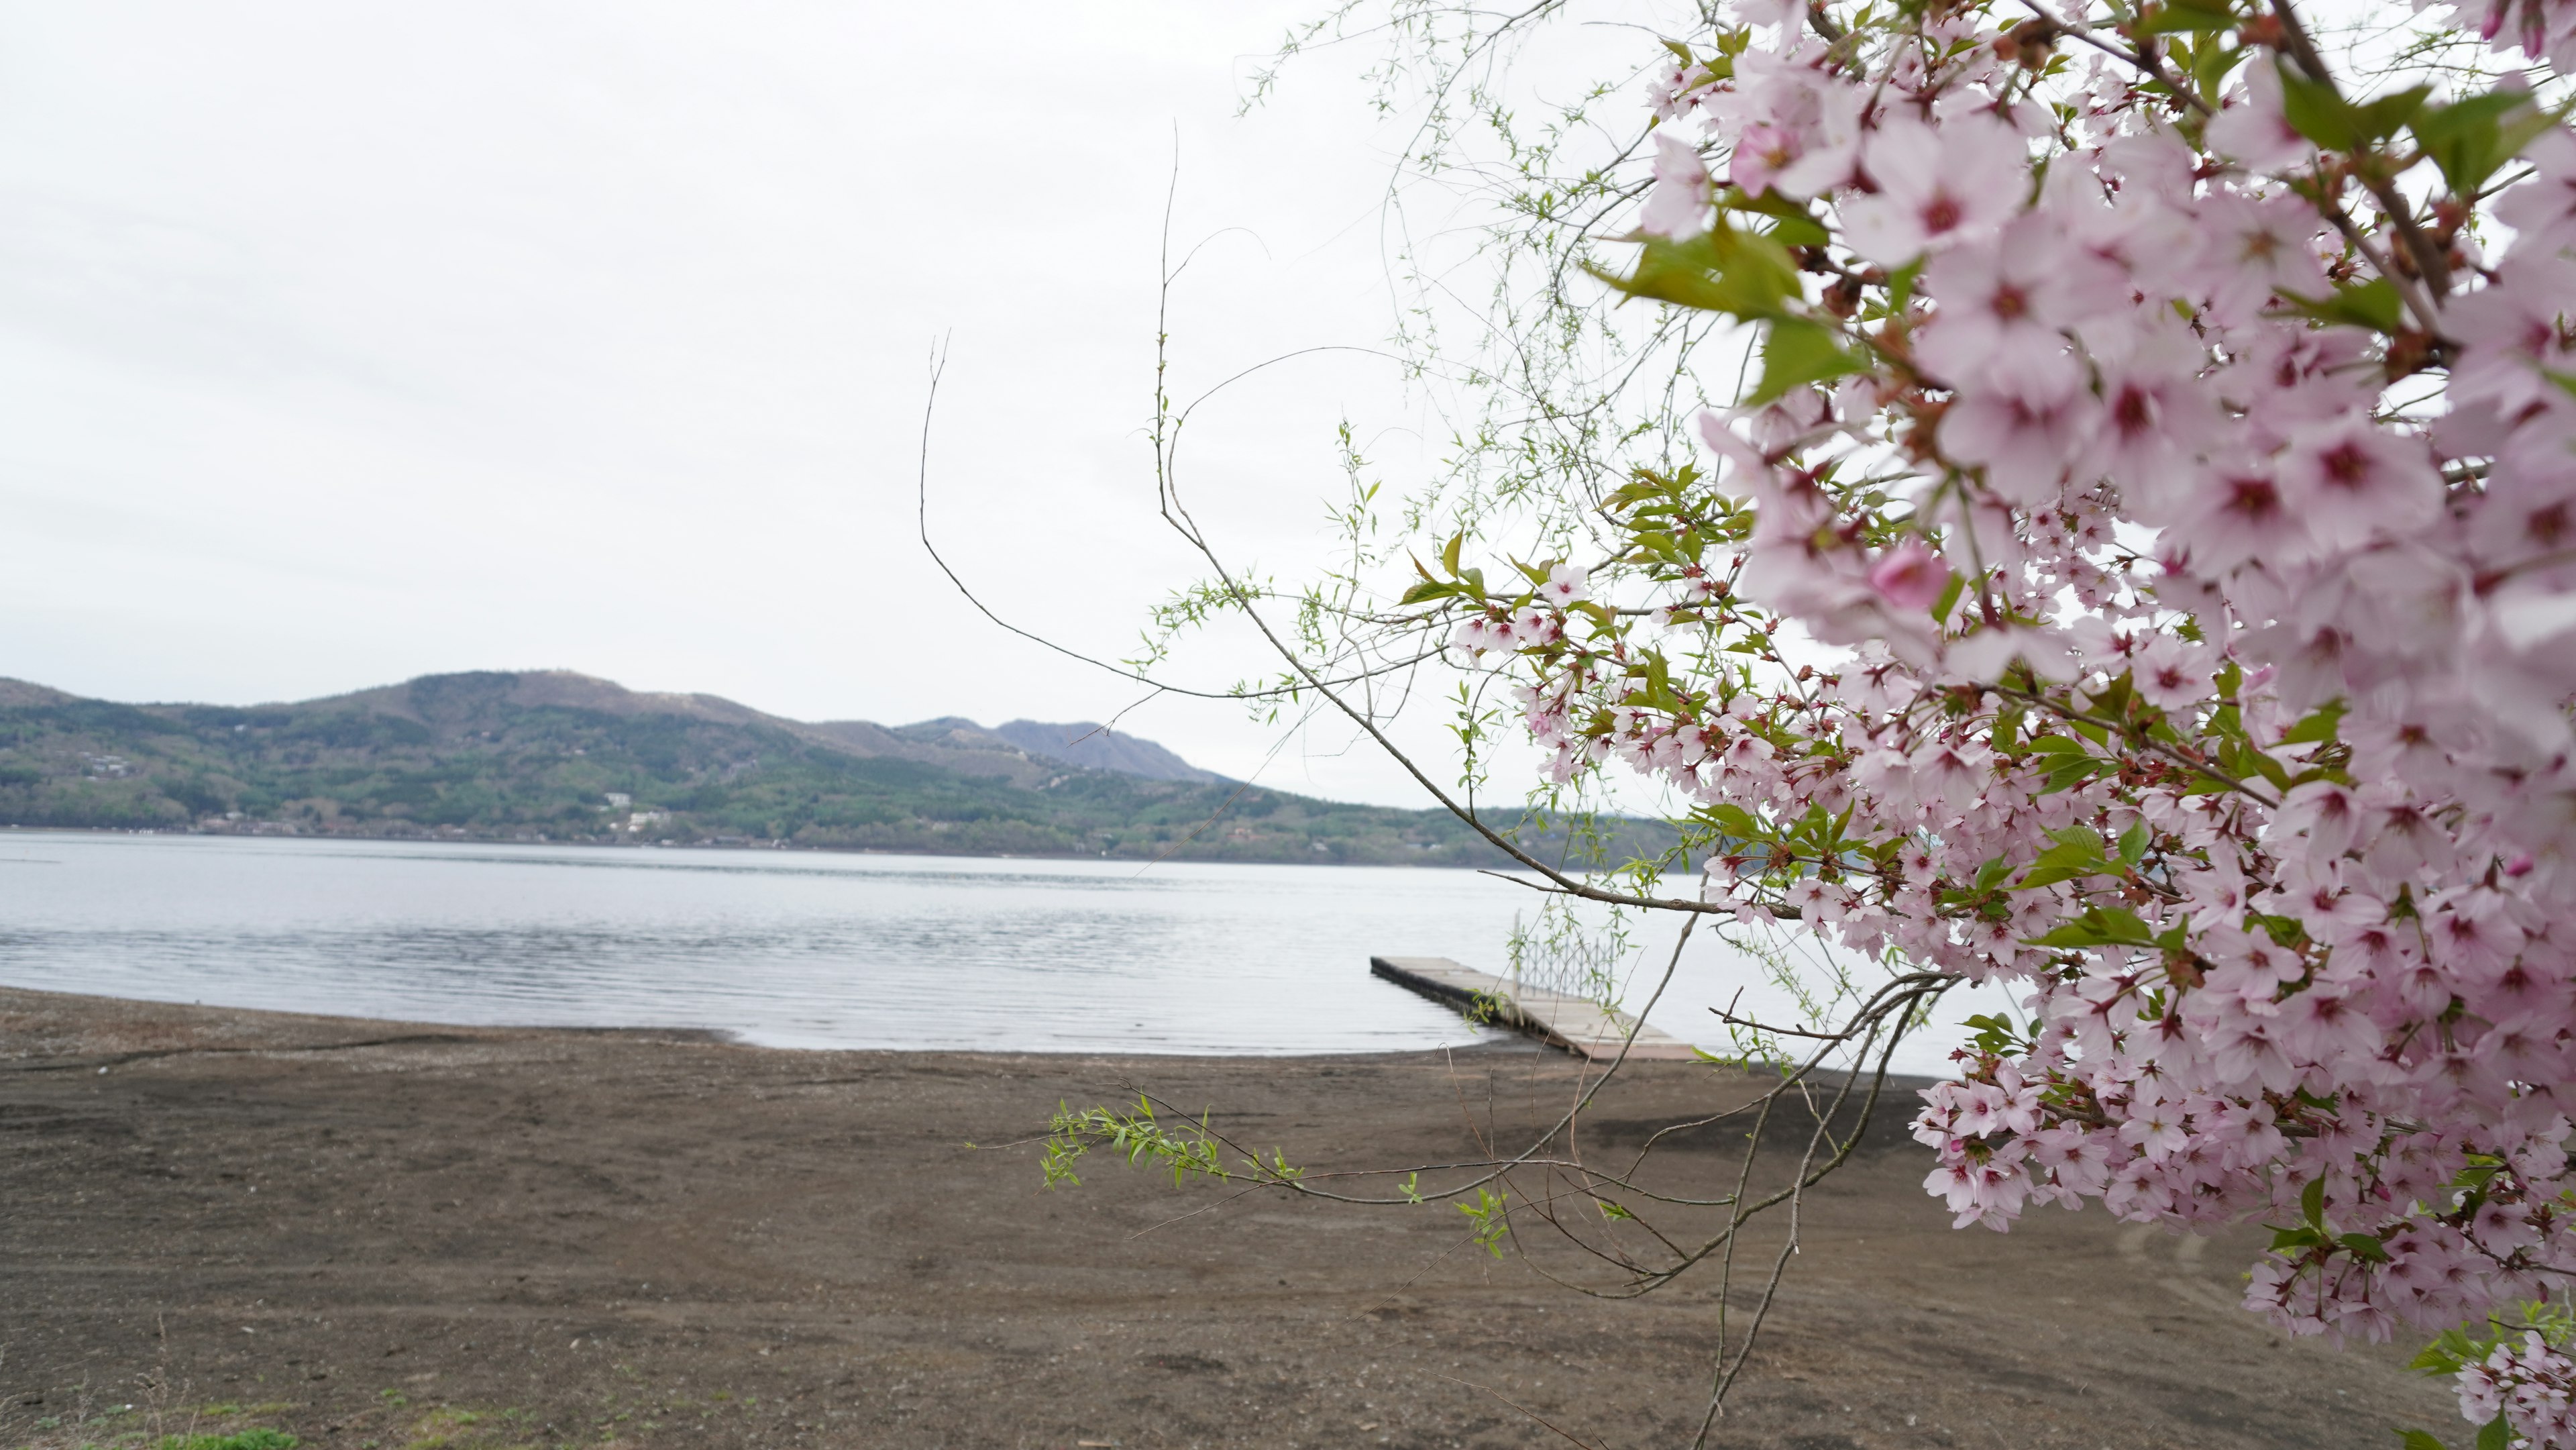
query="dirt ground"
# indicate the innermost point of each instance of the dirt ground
(383, 1235)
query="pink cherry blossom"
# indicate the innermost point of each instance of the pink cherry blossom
(1565, 585)
(2254, 130)
(2184, 446)
(1910, 576)
(2349, 480)
(1678, 206)
(1936, 188)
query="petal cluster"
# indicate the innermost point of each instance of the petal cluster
(2181, 516)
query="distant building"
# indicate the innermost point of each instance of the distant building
(619, 800)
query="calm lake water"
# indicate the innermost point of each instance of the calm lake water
(790, 949)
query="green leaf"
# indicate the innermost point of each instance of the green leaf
(2312, 1204)
(2295, 1238)
(2065, 861)
(2495, 1434)
(1796, 353)
(2082, 836)
(2372, 304)
(1736, 821)
(2365, 1246)
(1800, 231)
(2315, 111)
(2268, 768)
(1449, 552)
(1900, 287)
(2099, 926)
(1991, 874)
(2447, 1353)
(2212, 63)
(2317, 725)
(1793, 226)
(2177, 15)
(2134, 842)
(2071, 771)
(2389, 114)
(2122, 925)
(2418, 1440)
(2468, 139)
(1721, 270)
(1427, 589)
(1996, 1035)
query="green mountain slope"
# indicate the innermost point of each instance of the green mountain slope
(562, 757)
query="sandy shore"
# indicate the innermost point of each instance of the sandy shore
(391, 1235)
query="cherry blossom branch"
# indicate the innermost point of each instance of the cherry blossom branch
(2188, 760)
(2429, 261)
(2328, 996)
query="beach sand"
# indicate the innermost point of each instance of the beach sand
(393, 1235)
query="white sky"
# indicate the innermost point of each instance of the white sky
(341, 343)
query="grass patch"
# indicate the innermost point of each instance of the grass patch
(459, 1429)
(237, 1440)
(228, 1409)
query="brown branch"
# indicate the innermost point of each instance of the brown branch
(2429, 261)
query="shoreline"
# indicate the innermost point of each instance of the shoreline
(1496, 1040)
(361, 1232)
(711, 845)
(374, 1028)
(1493, 1039)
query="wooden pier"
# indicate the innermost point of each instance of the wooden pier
(1582, 1027)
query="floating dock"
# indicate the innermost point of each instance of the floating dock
(1582, 1027)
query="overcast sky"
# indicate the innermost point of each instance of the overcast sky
(342, 343)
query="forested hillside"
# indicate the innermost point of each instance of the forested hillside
(562, 757)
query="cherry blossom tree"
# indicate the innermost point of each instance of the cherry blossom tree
(2169, 448)
(2136, 567)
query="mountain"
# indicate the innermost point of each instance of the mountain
(558, 756)
(477, 703)
(1097, 747)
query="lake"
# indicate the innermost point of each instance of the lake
(781, 948)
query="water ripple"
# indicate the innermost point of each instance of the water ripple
(794, 949)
